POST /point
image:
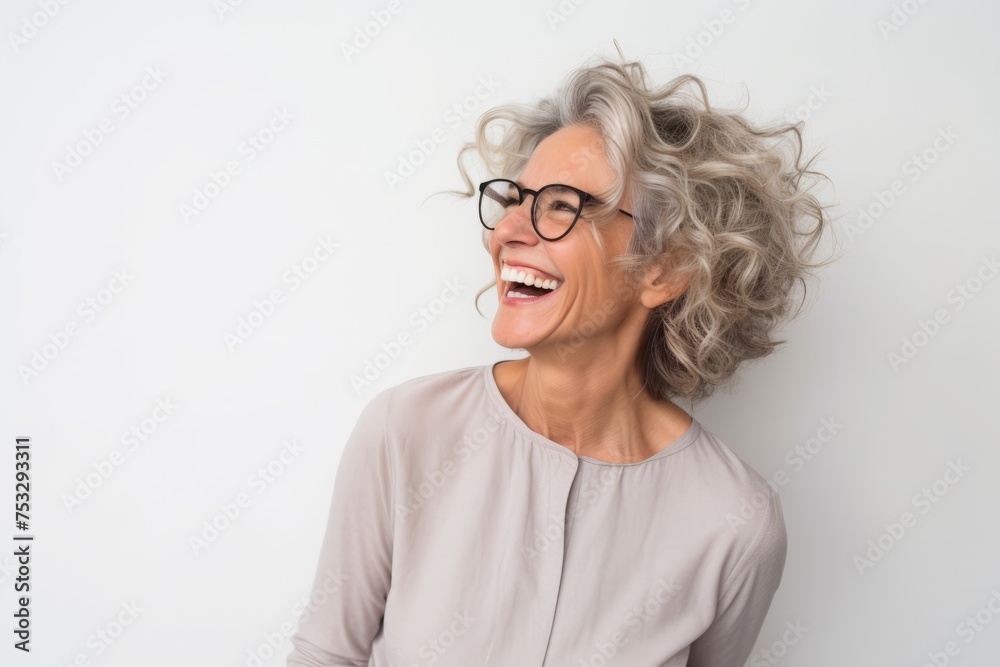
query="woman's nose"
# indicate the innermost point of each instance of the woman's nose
(516, 222)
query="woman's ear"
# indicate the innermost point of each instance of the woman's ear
(663, 283)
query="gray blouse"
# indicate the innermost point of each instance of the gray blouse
(457, 536)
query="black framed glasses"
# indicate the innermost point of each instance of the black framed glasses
(554, 211)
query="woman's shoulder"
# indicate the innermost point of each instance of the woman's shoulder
(739, 500)
(733, 477)
(426, 399)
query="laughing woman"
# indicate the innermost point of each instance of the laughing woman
(560, 509)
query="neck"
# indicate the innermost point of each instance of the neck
(596, 405)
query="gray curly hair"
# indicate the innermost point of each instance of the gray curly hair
(713, 199)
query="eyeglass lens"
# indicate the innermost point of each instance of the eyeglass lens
(555, 209)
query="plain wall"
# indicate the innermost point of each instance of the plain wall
(877, 83)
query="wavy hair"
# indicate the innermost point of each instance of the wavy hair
(716, 198)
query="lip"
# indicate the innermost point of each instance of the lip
(520, 301)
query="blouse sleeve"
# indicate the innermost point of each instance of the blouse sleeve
(351, 583)
(746, 596)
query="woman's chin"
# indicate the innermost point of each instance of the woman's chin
(513, 336)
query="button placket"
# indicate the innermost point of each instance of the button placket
(562, 488)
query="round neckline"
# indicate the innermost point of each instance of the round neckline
(686, 439)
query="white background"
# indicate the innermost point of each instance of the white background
(886, 96)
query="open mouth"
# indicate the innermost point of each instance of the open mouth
(521, 291)
(531, 288)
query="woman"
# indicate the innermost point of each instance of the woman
(561, 510)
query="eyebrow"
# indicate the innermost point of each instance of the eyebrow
(594, 201)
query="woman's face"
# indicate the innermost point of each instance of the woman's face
(592, 297)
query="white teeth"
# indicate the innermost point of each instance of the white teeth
(506, 273)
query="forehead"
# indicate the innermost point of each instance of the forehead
(572, 155)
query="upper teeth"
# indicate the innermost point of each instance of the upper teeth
(513, 275)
